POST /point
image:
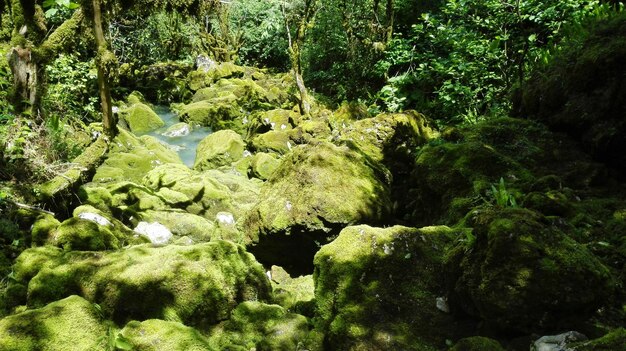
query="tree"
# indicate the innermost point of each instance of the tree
(299, 16)
(33, 50)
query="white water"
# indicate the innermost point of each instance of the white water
(185, 145)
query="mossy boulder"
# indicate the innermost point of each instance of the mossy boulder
(130, 158)
(293, 294)
(388, 135)
(197, 285)
(217, 114)
(273, 141)
(69, 324)
(615, 340)
(263, 165)
(43, 228)
(520, 273)
(182, 223)
(276, 119)
(477, 343)
(263, 327)
(83, 234)
(157, 335)
(141, 118)
(210, 192)
(376, 289)
(219, 149)
(315, 192)
(203, 77)
(451, 174)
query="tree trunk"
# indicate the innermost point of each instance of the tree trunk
(25, 79)
(108, 120)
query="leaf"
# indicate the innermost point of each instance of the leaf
(49, 3)
(121, 343)
(51, 12)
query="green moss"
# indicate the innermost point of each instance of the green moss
(156, 335)
(613, 341)
(197, 285)
(477, 343)
(217, 115)
(141, 118)
(255, 325)
(520, 273)
(315, 190)
(69, 324)
(264, 165)
(182, 223)
(80, 234)
(273, 141)
(42, 229)
(219, 149)
(376, 136)
(85, 163)
(293, 294)
(371, 284)
(130, 158)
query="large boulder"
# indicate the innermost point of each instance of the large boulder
(257, 326)
(315, 192)
(197, 285)
(221, 148)
(69, 324)
(518, 272)
(141, 118)
(377, 289)
(454, 174)
(157, 335)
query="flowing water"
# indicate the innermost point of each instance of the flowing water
(185, 141)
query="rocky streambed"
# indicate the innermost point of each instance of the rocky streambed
(236, 223)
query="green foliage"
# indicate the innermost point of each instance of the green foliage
(459, 62)
(72, 91)
(162, 36)
(502, 196)
(53, 7)
(262, 33)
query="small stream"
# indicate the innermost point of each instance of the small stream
(183, 141)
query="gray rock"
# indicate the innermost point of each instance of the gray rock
(557, 342)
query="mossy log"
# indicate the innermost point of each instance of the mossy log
(55, 192)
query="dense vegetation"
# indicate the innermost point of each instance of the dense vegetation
(312, 175)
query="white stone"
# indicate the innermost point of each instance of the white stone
(442, 304)
(225, 218)
(156, 232)
(94, 217)
(557, 342)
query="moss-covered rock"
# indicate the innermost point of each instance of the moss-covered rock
(316, 191)
(293, 294)
(43, 228)
(157, 335)
(263, 165)
(83, 234)
(210, 192)
(518, 272)
(477, 343)
(273, 141)
(258, 326)
(388, 135)
(451, 176)
(69, 324)
(130, 158)
(141, 118)
(217, 114)
(197, 285)
(612, 341)
(376, 289)
(182, 223)
(219, 149)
